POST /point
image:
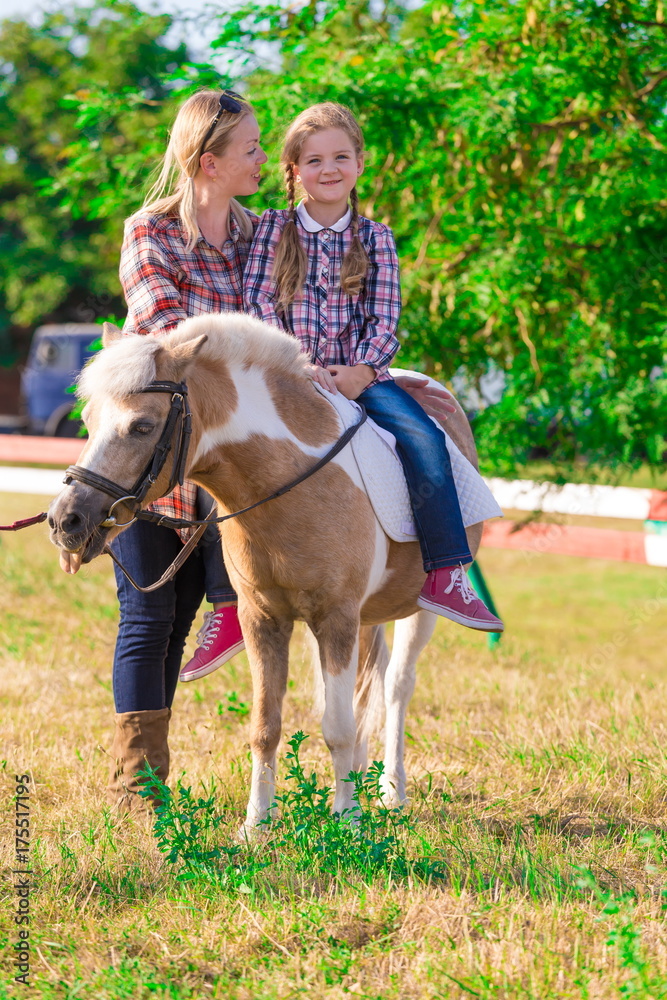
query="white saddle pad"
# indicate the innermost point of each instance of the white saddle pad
(374, 450)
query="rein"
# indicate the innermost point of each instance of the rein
(179, 421)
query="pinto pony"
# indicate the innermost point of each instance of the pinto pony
(316, 554)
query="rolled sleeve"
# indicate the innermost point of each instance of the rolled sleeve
(382, 298)
(259, 288)
(149, 281)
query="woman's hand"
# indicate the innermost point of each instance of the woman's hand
(436, 401)
(322, 377)
(351, 380)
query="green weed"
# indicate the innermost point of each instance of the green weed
(186, 828)
(241, 709)
(371, 839)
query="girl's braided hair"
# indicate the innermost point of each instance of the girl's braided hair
(291, 263)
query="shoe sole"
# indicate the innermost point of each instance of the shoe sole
(208, 668)
(473, 623)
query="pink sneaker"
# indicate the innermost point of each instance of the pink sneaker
(447, 592)
(220, 638)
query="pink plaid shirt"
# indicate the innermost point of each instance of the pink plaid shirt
(164, 283)
(334, 328)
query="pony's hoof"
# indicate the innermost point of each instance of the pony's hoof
(250, 833)
(391, 796)
(247, 834)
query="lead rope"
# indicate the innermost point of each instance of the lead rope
(25, 523)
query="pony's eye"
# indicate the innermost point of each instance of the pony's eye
(142, 427)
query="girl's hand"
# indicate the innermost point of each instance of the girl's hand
(322, 377)
(436, 401)
(351, 380)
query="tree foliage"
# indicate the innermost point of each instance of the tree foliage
(517, 149)
(59, 243)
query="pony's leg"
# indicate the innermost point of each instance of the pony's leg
(360, 755)
(267, 645)
(338, 641)
(410, 636)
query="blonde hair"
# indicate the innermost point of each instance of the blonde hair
(291, 263)
(174, 190)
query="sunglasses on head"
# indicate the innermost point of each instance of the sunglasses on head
(229, 102)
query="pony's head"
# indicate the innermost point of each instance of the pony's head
(125, 424)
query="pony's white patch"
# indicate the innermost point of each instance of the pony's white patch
(113, 423)
(254, 414)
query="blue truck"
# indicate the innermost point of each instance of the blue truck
(58, 352)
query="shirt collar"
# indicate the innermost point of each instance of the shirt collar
(234, 232)
(311, 226)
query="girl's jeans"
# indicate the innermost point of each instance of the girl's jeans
(153, 627)
(422, 450)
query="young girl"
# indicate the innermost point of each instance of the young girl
(330, 277)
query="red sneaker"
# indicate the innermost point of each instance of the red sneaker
(220, 638)
(447, 592)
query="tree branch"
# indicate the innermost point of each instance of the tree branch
(655, 82)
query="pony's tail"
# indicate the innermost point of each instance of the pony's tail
(369, 687)
(290, 266)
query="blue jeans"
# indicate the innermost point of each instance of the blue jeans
(428, 470)
(153, 627)
(216, 579)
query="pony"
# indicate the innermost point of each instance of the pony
(315, 554)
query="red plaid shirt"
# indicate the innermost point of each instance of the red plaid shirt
(164, 283)
(334, 328)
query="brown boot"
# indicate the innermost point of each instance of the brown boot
(140, 738)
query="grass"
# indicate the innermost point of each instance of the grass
(530, 863)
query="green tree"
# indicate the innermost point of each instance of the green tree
(518, 151)
(60, 253)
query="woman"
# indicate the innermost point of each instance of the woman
(183, 255)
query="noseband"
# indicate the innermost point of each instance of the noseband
(177, 428)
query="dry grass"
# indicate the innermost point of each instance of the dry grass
(538, 776)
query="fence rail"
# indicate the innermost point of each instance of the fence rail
(571, 499)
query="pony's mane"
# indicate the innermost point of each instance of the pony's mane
(239, 339)
(126, 366)
(129, 363)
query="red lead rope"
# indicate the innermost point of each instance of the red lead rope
(25, 523)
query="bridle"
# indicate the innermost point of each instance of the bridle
(175, 437)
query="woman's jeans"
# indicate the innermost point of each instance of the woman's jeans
(428, 470)
(153, 627)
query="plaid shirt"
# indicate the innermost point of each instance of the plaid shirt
(164, 283)
(334, 328)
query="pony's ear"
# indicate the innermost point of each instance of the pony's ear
(184, 353)
(109, 334)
